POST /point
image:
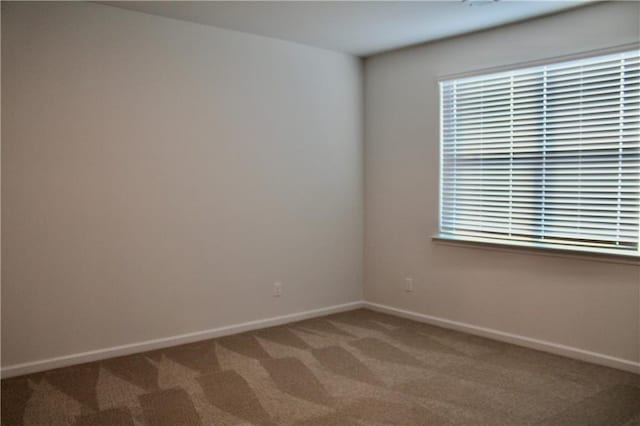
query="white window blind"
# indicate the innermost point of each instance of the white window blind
(545, 156)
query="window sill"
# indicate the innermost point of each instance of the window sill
(539, 250)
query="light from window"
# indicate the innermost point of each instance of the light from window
(544, 156)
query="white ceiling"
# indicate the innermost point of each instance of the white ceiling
(359, 28)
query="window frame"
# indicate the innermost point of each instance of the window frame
(632, 257)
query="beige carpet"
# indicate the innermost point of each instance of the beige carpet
(355, 368)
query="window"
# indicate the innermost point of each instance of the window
(545, 156)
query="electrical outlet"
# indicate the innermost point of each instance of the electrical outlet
(277, 289)
(408, 284)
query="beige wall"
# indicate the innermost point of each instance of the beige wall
(585, 304)
(159, 176)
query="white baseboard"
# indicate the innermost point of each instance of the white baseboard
(542, 345)
(96, 355)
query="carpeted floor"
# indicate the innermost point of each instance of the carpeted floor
(354, 368)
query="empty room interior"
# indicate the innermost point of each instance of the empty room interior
(320, 213)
